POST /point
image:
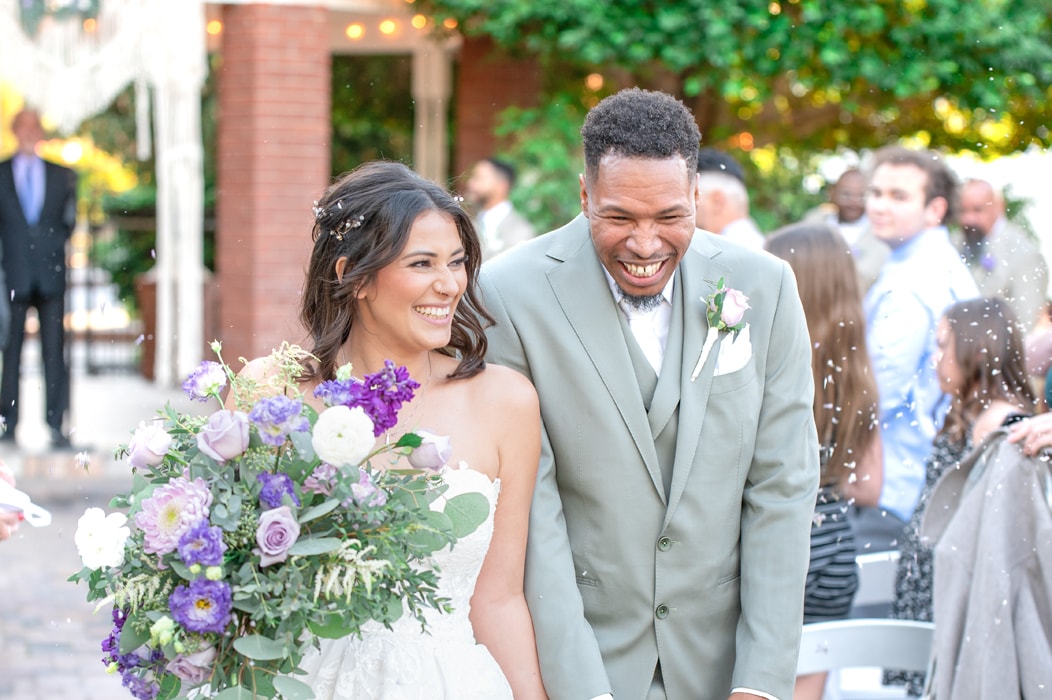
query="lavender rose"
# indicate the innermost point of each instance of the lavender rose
(193, 668)
(735, 304)
(277, 531)
(149, 444)
(224, 436)
(433, 452)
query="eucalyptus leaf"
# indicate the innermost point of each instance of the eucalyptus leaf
(315, 545)
(292, 689)
(260, 648)
(334, 627)
(302, 442)
(466, 512)
(236, 693)
(315, 512)
(131, 639)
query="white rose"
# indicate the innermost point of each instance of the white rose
(343, 436)
(100, 538)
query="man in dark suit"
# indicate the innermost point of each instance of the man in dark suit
(37, 215)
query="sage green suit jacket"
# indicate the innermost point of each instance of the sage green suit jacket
(709, 579)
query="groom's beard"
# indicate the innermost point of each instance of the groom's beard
(641, 303)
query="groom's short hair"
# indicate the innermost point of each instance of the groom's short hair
(639, 123)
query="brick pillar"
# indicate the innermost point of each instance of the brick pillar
(487, 82)
(273, 162)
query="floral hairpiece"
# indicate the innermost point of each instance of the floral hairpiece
(344, 226)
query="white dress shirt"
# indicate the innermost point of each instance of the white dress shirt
(649, 326)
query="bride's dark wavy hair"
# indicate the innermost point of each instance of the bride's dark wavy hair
(366, 216)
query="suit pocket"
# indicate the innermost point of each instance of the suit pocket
(733, 381)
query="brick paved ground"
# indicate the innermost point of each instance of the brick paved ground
(49, 636)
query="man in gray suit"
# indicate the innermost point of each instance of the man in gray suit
(500, 227)
(669, 533)
(1003, 260)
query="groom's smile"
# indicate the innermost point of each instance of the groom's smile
(641, 215)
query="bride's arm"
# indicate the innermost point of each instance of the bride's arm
(499, 614)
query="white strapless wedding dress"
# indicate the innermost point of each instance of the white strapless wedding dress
(404, 663)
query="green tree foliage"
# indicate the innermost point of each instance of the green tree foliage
(372, 110)
(785, 79)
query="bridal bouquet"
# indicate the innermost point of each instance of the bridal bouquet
(250, 533)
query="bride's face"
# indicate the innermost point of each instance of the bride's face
(409, 305)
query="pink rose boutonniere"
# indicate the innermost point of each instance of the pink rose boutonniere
(725, 310)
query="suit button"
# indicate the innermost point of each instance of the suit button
(665, 544)
(661, 611)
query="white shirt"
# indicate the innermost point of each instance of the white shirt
(491, 219)
(650, 327)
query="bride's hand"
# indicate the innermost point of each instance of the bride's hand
(1032, 434)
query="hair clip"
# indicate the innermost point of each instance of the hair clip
(346, 225)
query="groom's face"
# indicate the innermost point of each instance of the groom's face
(641, 213)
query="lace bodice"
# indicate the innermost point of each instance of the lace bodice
(403, 663)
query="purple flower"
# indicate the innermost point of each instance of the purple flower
(381, 395)
(203, 606)
(321, 479)
(202, 544)
(276, 417)
(366, 492)
(224, 436)
(275, 488)
(433, 452)
(193, 668)
(277, 531)
(336, 392)
(140, 687)
(149, 445)
(206, 381)
(173, 509)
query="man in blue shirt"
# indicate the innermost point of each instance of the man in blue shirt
(910, 197)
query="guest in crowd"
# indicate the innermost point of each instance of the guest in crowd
(911, 197)
(499, 225)
(845, 408)
(38, 210)
(980, 368)
(846, 213)
(723, 201)
(1005, 262)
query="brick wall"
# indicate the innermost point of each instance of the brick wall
(273, 162)
(487, 82)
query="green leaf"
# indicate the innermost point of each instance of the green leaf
(292, 689)
(303, 445)
(315, 512)
(467, 511)
(260, 648)
(432, 536)
(315, 545)
(170, 686)
(182, 570)
(334, 627)
(236, 693)
(131, 639)
(409, 440)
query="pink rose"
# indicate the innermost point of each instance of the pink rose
(277, 531)
(224, 436)
(433, 452)
(149, 444)
(735, 304)
(193, 668)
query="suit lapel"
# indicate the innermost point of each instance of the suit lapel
(699, 272)
(584, 296)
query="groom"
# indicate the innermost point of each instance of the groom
(669, 533)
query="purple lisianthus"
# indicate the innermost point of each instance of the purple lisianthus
(170, 511)
(275, 488)
(335, 392)
(366, 492)
(276, 417)
(203, 606)
(202, 544)
(206, 381)
(193, 668)
(321, 479)
(224, 436)
(277, 531)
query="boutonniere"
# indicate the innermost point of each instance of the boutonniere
(725, 310)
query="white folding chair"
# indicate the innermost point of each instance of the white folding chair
(876, 577)
(866, 643)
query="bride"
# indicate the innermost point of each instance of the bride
(392, 277)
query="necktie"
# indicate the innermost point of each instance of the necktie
(27, 194)
(641, 322)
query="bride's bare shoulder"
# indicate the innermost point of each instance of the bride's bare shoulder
(503, 386)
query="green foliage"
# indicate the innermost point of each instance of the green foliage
(545, 145)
